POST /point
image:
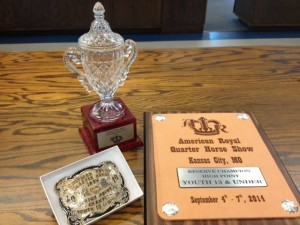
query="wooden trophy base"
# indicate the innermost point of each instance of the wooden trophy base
(98, 136)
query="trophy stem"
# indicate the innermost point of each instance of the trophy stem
(107, 110)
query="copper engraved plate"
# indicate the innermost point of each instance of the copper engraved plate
(92, 192)
(211, 166)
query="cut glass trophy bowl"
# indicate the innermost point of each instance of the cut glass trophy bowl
(105, 58)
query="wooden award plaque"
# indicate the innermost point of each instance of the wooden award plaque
(98, 136)
(214, 168)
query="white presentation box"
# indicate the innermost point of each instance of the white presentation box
(92, 188)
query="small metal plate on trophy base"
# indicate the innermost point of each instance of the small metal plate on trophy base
(90, 189)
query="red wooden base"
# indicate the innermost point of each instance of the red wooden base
(98, 136)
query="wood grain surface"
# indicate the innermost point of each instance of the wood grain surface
(40, 104)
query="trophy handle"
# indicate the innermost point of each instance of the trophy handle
(73, 56)
(130, 53)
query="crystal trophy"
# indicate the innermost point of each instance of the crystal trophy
(104, 59)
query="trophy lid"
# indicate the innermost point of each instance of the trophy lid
(100, 35)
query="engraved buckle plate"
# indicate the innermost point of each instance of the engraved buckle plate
(92, 192)
(92, 188)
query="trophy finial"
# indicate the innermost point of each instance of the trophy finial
(98, 10)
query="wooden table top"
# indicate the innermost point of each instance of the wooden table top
(41, 100)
